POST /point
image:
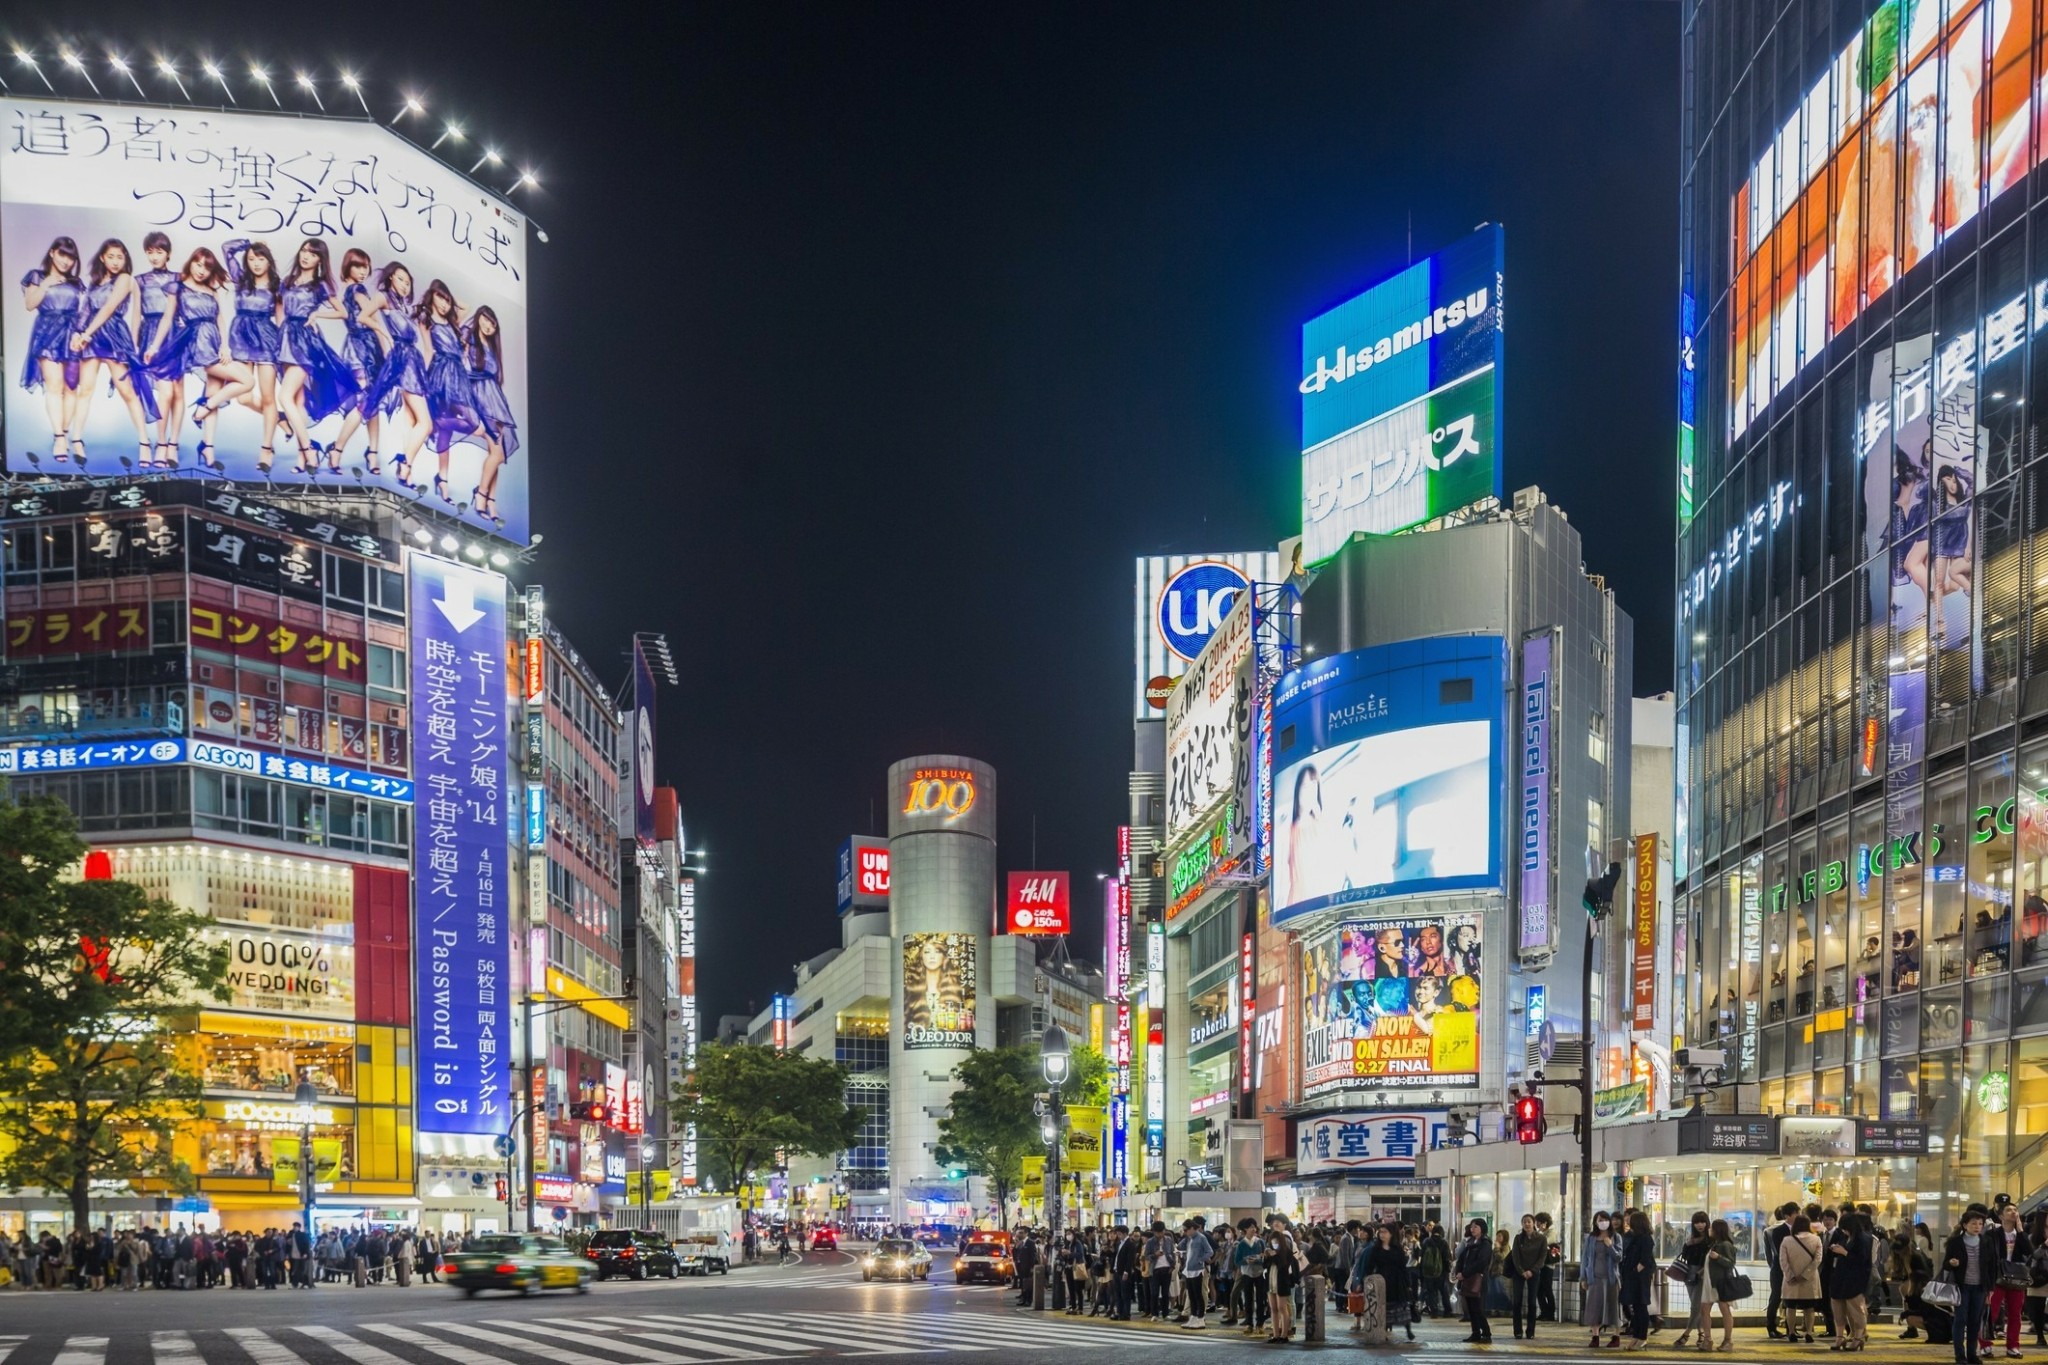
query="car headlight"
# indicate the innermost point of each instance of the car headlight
(901, 1263)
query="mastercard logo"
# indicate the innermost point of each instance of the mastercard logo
(1157, 691)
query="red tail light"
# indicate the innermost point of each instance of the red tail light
(450, 1269)
(625, 1251)
(507, 1268)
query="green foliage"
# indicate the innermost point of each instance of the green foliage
(1087, 1078)
(992, 1126)
(750, 1102)
(91, 975)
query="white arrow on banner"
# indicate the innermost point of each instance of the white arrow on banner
(458, 603)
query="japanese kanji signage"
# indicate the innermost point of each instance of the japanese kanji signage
(1384, 1144)
(461, 878)
(153, 753)
(251, 635)
(1642, 971)
(248, 188)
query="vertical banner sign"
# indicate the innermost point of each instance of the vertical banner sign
(1247, 1007)
(1112, 941)
(1642, 974)
(1155, 1043)
(461, 937)
(1533, 831)
(643, 748)
(686, 1004)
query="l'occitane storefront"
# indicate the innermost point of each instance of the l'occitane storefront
(319, 989)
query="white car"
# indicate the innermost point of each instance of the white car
(704, 1253)
(896, 1259)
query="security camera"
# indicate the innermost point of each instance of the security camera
(1700, 1068)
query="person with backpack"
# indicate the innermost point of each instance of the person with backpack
(1434, 1260)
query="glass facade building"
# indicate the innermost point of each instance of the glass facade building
(1862, 646)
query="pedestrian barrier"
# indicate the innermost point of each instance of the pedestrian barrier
(1375, 1332)
(1314, 1288)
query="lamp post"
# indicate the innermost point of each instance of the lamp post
(303, 1101)
(647, 1152)
(1054, 1058)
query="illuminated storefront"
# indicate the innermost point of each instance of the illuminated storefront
(1859, 851)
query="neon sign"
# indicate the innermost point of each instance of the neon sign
(945, 792)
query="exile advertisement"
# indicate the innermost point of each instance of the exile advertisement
(259, 299)
(938, 991)
(1392, 1002)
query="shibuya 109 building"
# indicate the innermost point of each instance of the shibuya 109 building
(1861, 659)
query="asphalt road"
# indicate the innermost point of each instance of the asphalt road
(818, 1308)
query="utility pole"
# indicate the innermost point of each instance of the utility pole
(1598, 902)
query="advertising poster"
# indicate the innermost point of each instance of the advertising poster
(461, 878)
(1532, 842)
(1392, 1002)
(643, 748)
(1037, 903)
(1852, 194)
(304, 296)
(1387, 774)
(1642, 970)
(1181, 601)
(288, 971)
(863, 874)
(938, 991)
(1400, 399)
(1207, 722)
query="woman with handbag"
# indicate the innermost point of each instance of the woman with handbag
(2010, 1285)
(1690, 1268)
(1600, 1282)
(1474, 1267)
(1283, 1275)
(1966, 1264)
(1848, 1280)
(1638, 1272)
(1724, 1283)
(1799, 1258)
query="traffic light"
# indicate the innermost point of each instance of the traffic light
(501, 1189)
(1529, 1123)
(1598, 898)
(590, 1111)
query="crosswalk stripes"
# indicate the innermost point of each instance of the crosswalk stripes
(262, 1348)
(82, 1351)
(7, 1345)
(747, 1340)
(453, 1352)
(361, 1352)
(174, 1348)
(652, 1333)
(561, 1354)
(857, 1336)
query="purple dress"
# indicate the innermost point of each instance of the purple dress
(254, 338)
(403, 371)
(196, 343)
(49, 337)
(447, 388)
(487, 393)
(330, 384)
(364, 349)
(159, 290)
(113, 342)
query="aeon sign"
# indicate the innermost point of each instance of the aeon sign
(1194, 602)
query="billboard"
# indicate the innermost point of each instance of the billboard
(1642, 969)
(1387, 774)
(316, 288)
(1532, 835)
(1181, 601)
(1207, 723)
(1400, 398)
(1392, 1002)
(1378, 1142)
(1851, 194)
(938, 991)
(863, 874)
(643, 747)
(461, 878)
(1037, 904)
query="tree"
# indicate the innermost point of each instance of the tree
(92, 974)
(992, 1126)
(1087, 1078)
(750, 1102)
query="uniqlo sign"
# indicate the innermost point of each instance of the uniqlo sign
(1037, 903)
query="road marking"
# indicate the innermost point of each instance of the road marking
(870, 1331)
(174, 1348)
(444, 1350)
(553, 1352)
(771, 1335)
(82, 1351)
(359, 1351)
(262, 1349)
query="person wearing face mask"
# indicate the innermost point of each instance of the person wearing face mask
(1600, 1279)
(1694, 1254)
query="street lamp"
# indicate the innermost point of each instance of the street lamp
(303, 1101)
(1055, 1057)
(647, 1154)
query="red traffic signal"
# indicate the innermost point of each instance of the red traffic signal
(1529, 1125)
(590, 1111)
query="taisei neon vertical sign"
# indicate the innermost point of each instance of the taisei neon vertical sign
(1533, 838)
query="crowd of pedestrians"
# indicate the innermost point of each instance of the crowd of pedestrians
(190, 1258)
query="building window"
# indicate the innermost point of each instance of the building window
(1596, 827)
(1596, 738)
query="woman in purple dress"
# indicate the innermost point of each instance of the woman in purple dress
(365, 349)
(158, 288)
(54, 293)
(106, 340)
(484, 357)
(315, 381)
(255, 337)
(402, 383)
(439, 320)
(201, 349)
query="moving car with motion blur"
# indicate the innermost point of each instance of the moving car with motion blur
(896, 1259)
(825, 1238)
(634, 1254)
(520, 1262)
(984, 1258)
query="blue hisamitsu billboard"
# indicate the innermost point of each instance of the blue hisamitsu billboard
(1387, 774)
(462, 880)
(1400, 399)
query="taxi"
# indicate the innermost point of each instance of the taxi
(896, 1259)
(520, 1262)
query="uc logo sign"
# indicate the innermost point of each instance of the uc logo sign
(1193, 604)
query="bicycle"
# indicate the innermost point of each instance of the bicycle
(790, 1258)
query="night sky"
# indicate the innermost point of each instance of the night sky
(872, 342)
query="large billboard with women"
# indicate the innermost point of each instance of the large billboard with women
(1387, 774)
(260, 299)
